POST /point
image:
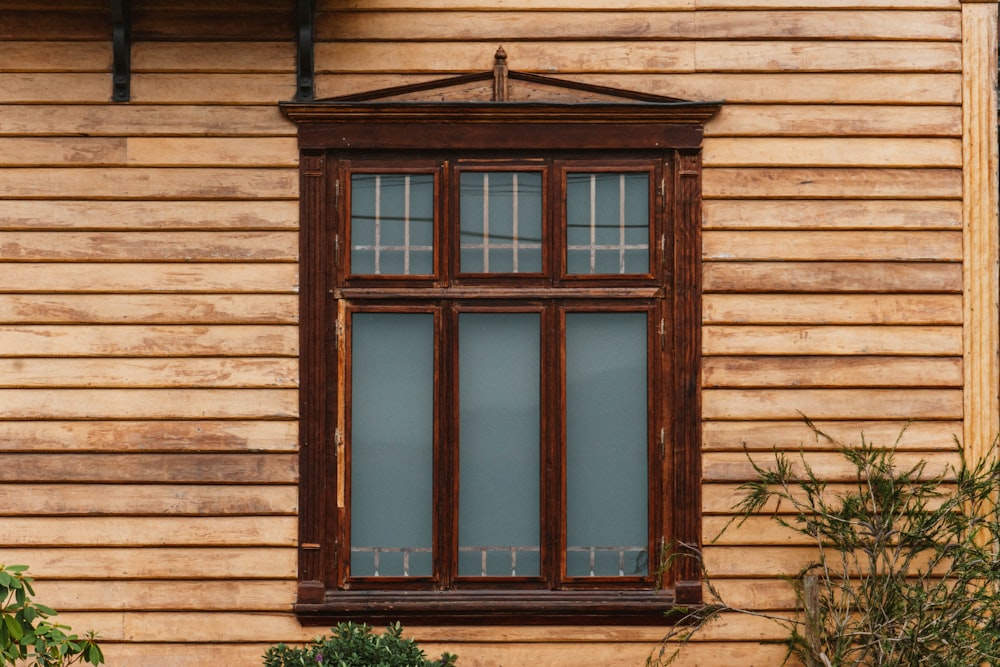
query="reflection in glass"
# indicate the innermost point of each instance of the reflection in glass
(606, 445)
(501, 222)
(607, 223)
(499, 422)
(392, 224)
(392, 434)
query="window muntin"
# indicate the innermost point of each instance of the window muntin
(500, 218)
(607, 223)
(392, 224)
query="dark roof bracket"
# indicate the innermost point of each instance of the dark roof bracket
(305, 89)
(121, 42)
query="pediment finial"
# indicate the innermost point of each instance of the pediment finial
(500, 75)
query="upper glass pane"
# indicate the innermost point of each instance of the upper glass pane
(501, 222)
(392, 224)
(606, 445)
(392, 444)
(499, 425)
(607, 223)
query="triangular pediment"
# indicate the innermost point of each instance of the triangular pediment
(503, 85)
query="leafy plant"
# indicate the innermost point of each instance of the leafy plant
(906, 570)
(354, 645)
(27, 636)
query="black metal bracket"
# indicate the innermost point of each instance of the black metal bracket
(121, 41)
(305, 89)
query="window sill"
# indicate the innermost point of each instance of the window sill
(493, 607)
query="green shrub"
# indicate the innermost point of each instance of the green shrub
(906, 569)
(28, 637)
(354, 645)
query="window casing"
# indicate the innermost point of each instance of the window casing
(500, 410)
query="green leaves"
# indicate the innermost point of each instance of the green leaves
(354, 645)
(27, 636)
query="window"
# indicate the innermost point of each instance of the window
(500, 347)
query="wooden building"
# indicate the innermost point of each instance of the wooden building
(174, 239)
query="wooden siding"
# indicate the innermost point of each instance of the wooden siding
(148, 273)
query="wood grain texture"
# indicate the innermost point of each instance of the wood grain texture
(149, 215)
(903, 435)
(148, 308)
(153, 500)
(821, 309)
(162, 435)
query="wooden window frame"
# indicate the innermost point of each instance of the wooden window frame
(335, 133)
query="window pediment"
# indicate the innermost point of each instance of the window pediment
(428, 114)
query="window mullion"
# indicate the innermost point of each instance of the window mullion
(446, 483)
(553, 538)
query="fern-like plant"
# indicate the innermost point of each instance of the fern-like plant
(906, 569)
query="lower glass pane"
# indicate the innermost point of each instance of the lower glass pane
(499, 423)
(606, 445)
(392, 450)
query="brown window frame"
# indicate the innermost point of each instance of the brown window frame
(339, 135)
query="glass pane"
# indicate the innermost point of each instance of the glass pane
(501, 221)
(607, 223)
(499, 422)
(606, 445)
(392, 436)
(392, 224)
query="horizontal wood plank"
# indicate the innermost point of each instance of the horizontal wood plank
(902, 435)
(149, 373)
(825, 214)
(220, 119)
(139, 340)
(215, 246)
(242, 468)
(866, 371)
(851, 246)
(628, 5)
(638, 25)
(188, 88)
(165, 183)
(40, 215)
(832, 340)
(740, 88)
(26, 278)
(843, 277)
(63, 500)
(149, 436)
(832, 183)
(134, 596)
(176, 563)
(819, 309)
(51, 55)
(148, 309)
(258, 531)
(147, 151)
(735, 120)
(20, 404)
(654, 56)
(829, 152)
(213, 56)
(892, 404)
(54, 88)
(831, 467)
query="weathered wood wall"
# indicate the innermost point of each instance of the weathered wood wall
(148, 282)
